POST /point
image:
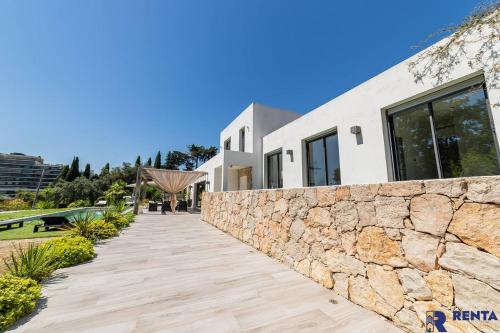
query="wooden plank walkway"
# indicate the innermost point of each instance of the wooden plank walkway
(178, 274)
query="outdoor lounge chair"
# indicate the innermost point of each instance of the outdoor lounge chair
(182, 206)
(52, 222)
(165, 207)
(153, 207)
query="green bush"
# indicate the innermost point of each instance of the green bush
(81, 225)
(129, 216)
(44, 204)
(34, 262)
(79, 203)
(69, 251)
(14, 204)
(121, 222)
(18, 297)
(112, 216)
(103, 230)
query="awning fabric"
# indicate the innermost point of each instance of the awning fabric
(172, 181)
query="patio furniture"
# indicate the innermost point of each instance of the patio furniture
(182, 206)
(52, 222)
(165, 207)
(152, 207)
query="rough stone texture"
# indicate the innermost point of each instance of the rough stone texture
(471, 294)
(326, 196)
(420, 249)
(360, 292)
(431, 213)
(439, 282)
(471, 262)
(386, 284)
(414, 285)
(319, 217)
(364, 192)
(409, 320)
(345, 215)
(391, 211)
(478, 225)
(366, 214)
(341, 284)
(484, 189)
(340, 262)
(401, 189)
(358, 238)
(320, 273)
(375, 246)
(452, 188)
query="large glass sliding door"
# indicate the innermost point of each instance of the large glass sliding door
(274, 170)
(323, 165)
(444, 138)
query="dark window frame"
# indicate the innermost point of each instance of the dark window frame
(227, 143)
(280, 168)
(323, 138)
(396, 169)
(242, 135)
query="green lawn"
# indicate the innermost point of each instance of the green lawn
(29, 212)
(27, 232)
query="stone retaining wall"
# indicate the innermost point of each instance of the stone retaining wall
(398, 249)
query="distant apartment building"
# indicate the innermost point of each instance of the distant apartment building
(19, 172)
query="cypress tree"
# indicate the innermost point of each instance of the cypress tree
(149, 162)
(74, 170)
(158, 161)
(86, 172)
(105, 169)
(138, 161)
(64, 172)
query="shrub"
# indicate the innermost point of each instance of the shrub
(81, 225)
(79, 203)
(44, 204)
(14, 204)
(103, 230)
(34, 262)
(130, 217)
(114, 217)
(18, 297)
(69, 251)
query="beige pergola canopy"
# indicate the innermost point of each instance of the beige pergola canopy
(170, 181)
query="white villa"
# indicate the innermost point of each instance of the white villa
(389, 128)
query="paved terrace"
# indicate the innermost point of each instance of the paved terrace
(178, 274)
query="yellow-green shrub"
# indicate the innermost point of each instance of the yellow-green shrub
(18, 297)
(103, 230)
(69, 251)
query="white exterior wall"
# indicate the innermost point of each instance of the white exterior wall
(258, 120)
(365, 106)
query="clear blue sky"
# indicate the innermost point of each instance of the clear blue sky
(109, 80)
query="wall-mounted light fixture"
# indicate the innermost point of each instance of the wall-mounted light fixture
(355, 129)
(290, 152)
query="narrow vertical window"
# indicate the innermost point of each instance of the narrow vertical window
(242, 139)
(227, 144)
(274, 170)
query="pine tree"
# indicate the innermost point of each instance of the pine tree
(74, 170)
(86, 172)
(148, 163)
(158, 161)
(138, 161)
